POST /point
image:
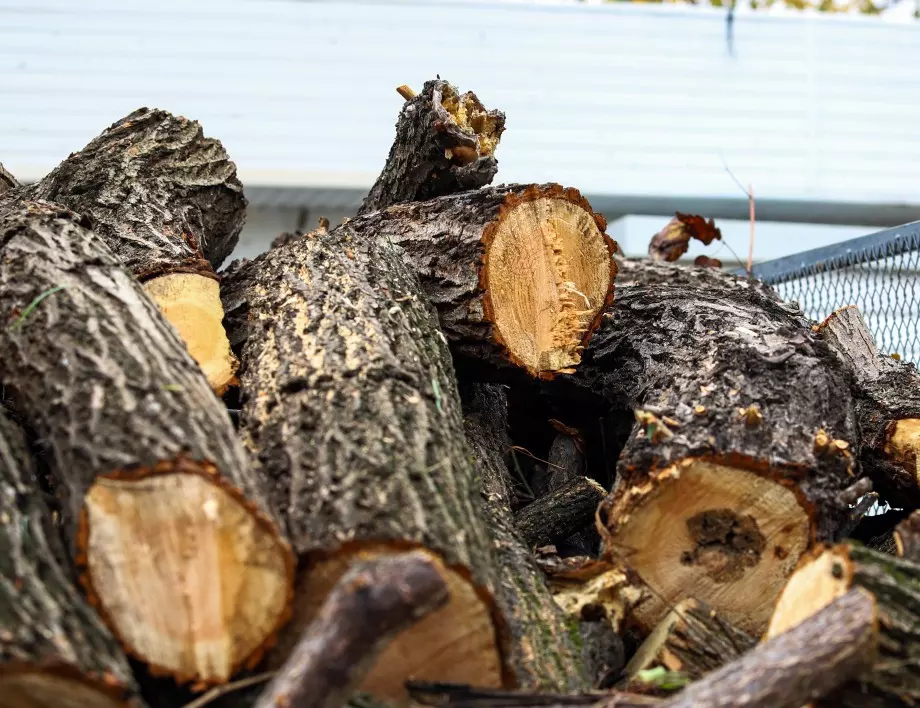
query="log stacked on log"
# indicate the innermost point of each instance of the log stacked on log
(420, 390)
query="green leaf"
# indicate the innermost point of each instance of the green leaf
(662, 678)
(35, 303)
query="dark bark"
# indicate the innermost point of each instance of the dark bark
(561, 513)
(566, 461)
(887, 394)
(53, 647)
(801, 665)
(351, 413)
(744, 418)
(445, 143)
(131, 427)
(458, 696)
(542, 650)
(519, 274)
(162, 196)
(7, 181)
(692, 640)
(372, 603)
(907, 538)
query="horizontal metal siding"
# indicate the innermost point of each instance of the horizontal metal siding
(618, 99)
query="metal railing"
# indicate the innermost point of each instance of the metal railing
(880, 273)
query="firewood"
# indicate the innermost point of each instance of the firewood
(372, 603)
(888, 406)
(519, 274)
(560, 513)
(803, 664)
(542, 651)
(741, 441)
(168, 202)
(159, 507)
(54, 650)
(692, 640)
(350, 408)
(829, 573)
(445, 143)
(459, 696)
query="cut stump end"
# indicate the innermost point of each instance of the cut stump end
(903, 445)
(189, 576)
(548, 276)
(191, 303)
(722, 534)
(34, 687)
(455, 644)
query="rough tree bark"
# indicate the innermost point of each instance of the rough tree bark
(372, 602)
(887, 396)
(827, 574)
(801, 665)
(54, 651)
(158, 504)
(692, 640)
(351, 412)
(445, 143)
(543, 651)
(7, 181)
(168, 202)
(519, 274)
(561, 513)
(744, 419)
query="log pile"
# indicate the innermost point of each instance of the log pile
(458, 471)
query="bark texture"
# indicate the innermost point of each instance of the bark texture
(907, 538)
(54, 650)
(103, 380)
(163, 197)
(543, 652)
(445, 143)
(371, 603)
(886, 392)
(7, 181)
(561, 513)
(692, 640)
(555, 244)
(455, 696)
(351, 412)
(798, 666)
(743, 423)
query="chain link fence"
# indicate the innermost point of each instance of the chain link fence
(880, 273)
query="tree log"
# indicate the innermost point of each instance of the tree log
(801, 665)
(158, 504)
(350, 409)
(168, 202)
(445, 143)
(54, 651)
(827, 574)
(692, 640)
(561, 513)
(887, 396)
(371, 604)
(519, 274)
(740, 446)
(542, 651)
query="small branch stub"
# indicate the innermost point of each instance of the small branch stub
(406, 92)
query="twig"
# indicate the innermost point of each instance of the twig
(30, 308)
(219, 691)
(406, 92)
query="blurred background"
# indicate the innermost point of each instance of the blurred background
(647, 108)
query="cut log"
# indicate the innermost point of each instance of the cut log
(168, 202)
(519, 274)
(803, 664)
(350, 408)
(561, 513)
(887, 396)
(692, 640)
(158, 504)
(542, 650)
(445, 143)
(740, 447)
(54, 650)
(371, 604)
(827, 574)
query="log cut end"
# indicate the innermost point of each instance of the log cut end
(189, 576)
(725, 535)
(191, 303)
(820, 580)
(903, 446)
(548, 276)
(457, 643)
(34, 687)
(472, 118)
